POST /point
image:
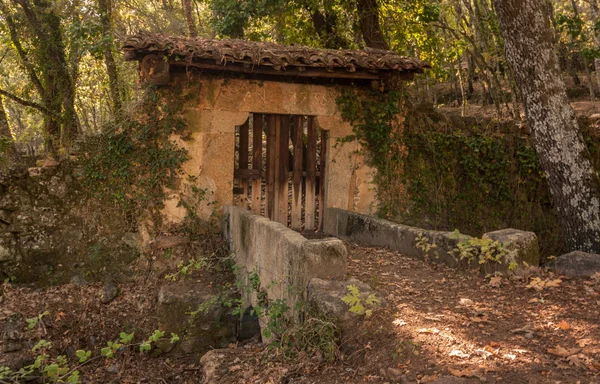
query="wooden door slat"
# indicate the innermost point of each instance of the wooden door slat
(257, 162)
(283, 178)
(271, 162)
(243, 164)
(298, 141)
(311, 165)
(322, 166)
(281, 188)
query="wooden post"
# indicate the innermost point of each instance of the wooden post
(297, 140)
(272, 125)
(322, 166)
(283, 172)
(257, 163)
(243, 165)
(311, 166)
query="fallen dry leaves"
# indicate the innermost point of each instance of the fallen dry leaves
(495, 281)
(563, 325)
(563, 352)
(539, 285)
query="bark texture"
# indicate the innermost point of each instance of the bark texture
(573, 183)
(368, 11)
(10, 150)
(116, 93)
(46, 66)
(189, 17)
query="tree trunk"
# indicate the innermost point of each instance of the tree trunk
(116, 94)
(9, 150)
(326, 25)
(189, 17)
(368, 12)
(55, 75)
(562, 153)
(586, 67)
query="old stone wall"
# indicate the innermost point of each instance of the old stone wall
(403, 239)
(283, 260)
(51, 232)
(218, 105)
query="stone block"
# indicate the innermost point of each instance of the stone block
(325, 296)
(35, 171)
(577, 264)
(192, 311)
(325, 258)
(522, 244)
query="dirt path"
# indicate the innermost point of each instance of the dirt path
(440, 321)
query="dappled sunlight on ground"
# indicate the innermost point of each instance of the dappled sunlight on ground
(459, 324)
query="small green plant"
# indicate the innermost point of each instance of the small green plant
(32, 322)
(483, 251)
(276, 322)
(354, 300)
(428, 248)
(186, 269)
(58, 370)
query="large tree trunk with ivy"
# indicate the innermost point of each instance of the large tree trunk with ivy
(560, 147)
(6, 139)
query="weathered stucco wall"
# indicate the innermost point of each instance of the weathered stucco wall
(284, 260)
(219, 105)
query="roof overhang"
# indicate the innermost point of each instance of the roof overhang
(158, 54)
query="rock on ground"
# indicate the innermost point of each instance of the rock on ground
(109, 292)
(577, 264)
(326, 297)
(524, 245)
(12, 334)
(189, 307)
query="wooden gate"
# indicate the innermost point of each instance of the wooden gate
(280, 166)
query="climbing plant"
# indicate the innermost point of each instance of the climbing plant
(441, 172)
(132, 162)
(376, 119)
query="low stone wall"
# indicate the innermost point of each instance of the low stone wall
(284, 260)
(402, 238)
(398, 237)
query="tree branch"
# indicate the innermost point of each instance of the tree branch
(14, 37)
(27, 103)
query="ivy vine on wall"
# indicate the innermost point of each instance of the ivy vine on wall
(376, 120)
(446, 172)
(132, 162)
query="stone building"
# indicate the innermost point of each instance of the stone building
(263, 121)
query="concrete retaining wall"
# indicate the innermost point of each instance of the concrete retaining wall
(401, 238)
(284, 260)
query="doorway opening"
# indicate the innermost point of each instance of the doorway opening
(280, 163)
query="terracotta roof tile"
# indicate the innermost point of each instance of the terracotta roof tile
(275, 56)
